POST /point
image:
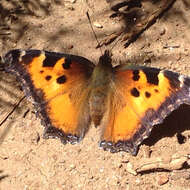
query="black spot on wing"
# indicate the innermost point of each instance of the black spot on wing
(50, 60)
(156, 90)
(62, 79)
(152, 75)
(148, 94)
(136, 75)
(135, 92)
(67, 63)
(48, 77)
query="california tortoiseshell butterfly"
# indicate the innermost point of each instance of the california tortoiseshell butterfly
(70, 92)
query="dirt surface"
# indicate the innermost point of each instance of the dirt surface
(27, 161)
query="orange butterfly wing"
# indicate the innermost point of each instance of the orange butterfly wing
(56, 83)
(141, 97)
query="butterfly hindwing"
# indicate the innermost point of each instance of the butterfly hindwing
(56, 83)
(144, 97)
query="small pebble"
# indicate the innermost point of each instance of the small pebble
(162, 179)
(98, 25)
(162, 31)
(72, 166)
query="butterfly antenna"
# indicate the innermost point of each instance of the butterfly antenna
(93, 30)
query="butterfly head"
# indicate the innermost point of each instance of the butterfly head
(105, 59)
(103, 70)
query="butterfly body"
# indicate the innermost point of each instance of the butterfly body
(71, 93)
(100, 88)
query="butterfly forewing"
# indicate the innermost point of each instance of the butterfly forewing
(57, 83)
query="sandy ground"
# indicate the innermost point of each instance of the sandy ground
(29, 162)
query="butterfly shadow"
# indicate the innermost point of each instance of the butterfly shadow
(176, 123)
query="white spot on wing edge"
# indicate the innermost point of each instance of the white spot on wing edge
(170, 107)
(181, 79)
(22, 53)
(42, 52)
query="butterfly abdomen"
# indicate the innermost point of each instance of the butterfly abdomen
(97, 104)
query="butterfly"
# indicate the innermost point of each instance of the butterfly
(70, 93)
